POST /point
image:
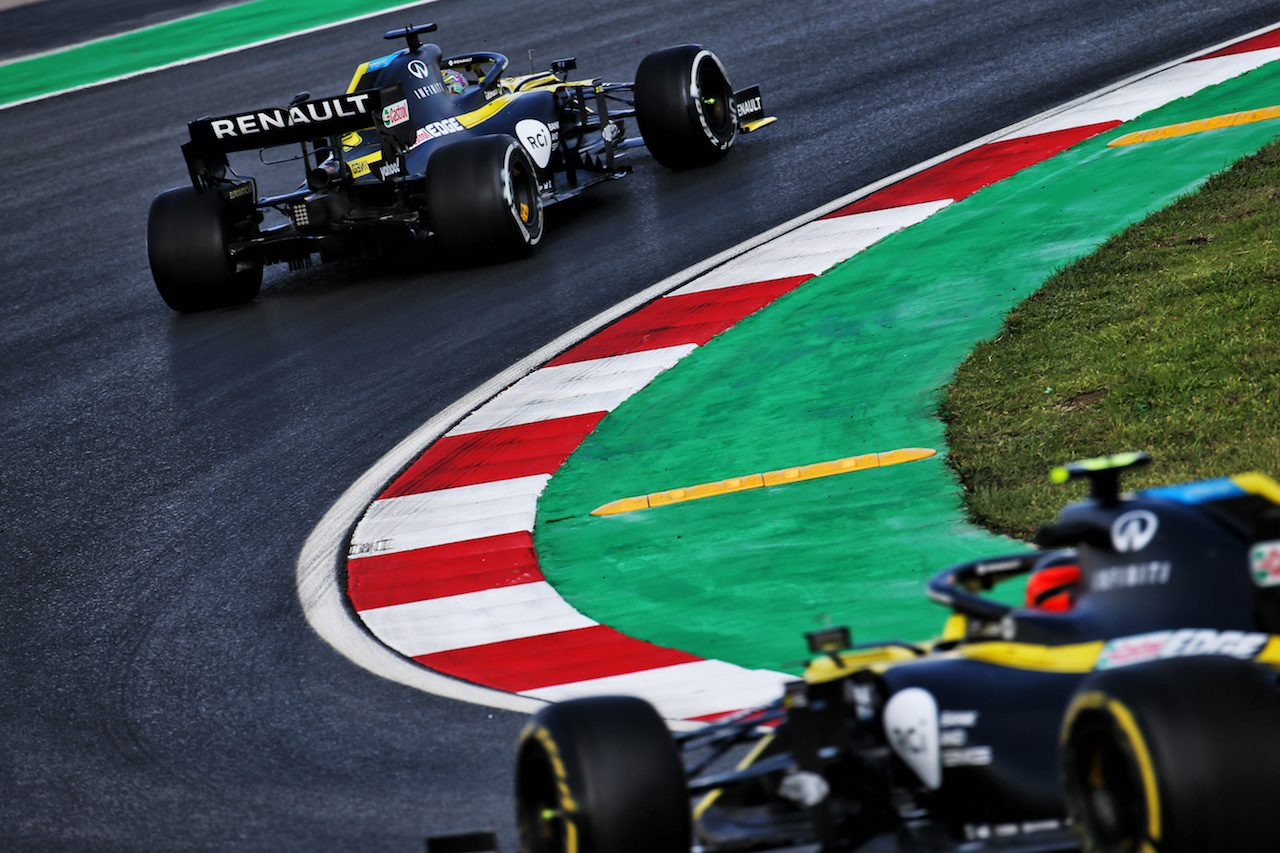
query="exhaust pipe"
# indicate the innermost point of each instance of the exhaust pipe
(324, 175)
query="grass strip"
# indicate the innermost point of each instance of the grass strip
(1163, 339)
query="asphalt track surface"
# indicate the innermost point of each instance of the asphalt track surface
(36, 26)
(159, 686)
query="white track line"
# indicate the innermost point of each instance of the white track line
(191, 61)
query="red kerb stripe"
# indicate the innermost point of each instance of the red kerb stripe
(967, 173)
(692, 318)
(496, 454)
(1262, 42)
(454, 569)
(550, 659)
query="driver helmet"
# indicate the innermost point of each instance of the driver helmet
(1054, 588)
(454, 82)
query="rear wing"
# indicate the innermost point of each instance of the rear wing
(299, 123)
(272, 126)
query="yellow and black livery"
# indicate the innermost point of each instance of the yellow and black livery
(1140, 715)
(421, 146)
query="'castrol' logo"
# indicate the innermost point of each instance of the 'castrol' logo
(1264, 563)
(394, 114)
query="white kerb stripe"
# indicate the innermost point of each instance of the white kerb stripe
(891, 218)
(814, 248)
(449, 515)
(744, 271)
(846, 236)
(598, 385)
(1155, 91)
(682, 691)
(473, 619)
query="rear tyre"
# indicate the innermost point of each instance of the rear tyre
(187, 237)
(685, 107)
(601, 775)
(1174, 756)
(482, 194)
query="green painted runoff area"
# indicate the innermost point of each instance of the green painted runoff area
(175, 41)
(851, 362)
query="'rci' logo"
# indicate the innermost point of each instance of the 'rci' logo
(1134, 530)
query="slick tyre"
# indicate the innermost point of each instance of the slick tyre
(1174, 756)
(482, 196)
(601, 775)
(188, 233)
(685, 107)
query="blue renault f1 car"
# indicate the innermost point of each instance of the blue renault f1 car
(426, 147)
(1131, 705)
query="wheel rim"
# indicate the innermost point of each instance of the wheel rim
(715, 101)
(1108, 792)
(523, 198)
(540, 814)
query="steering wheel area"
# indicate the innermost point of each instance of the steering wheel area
(475, 64)
(959, 586)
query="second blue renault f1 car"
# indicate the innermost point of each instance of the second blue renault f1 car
(423, 146)
(1132, 705)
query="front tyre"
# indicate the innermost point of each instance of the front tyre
(1174, 756)
(685, 107)
(601, 775)
(188, 234)
(482, 195)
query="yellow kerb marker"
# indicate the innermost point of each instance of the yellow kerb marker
(769, 478)
(1199, 125)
